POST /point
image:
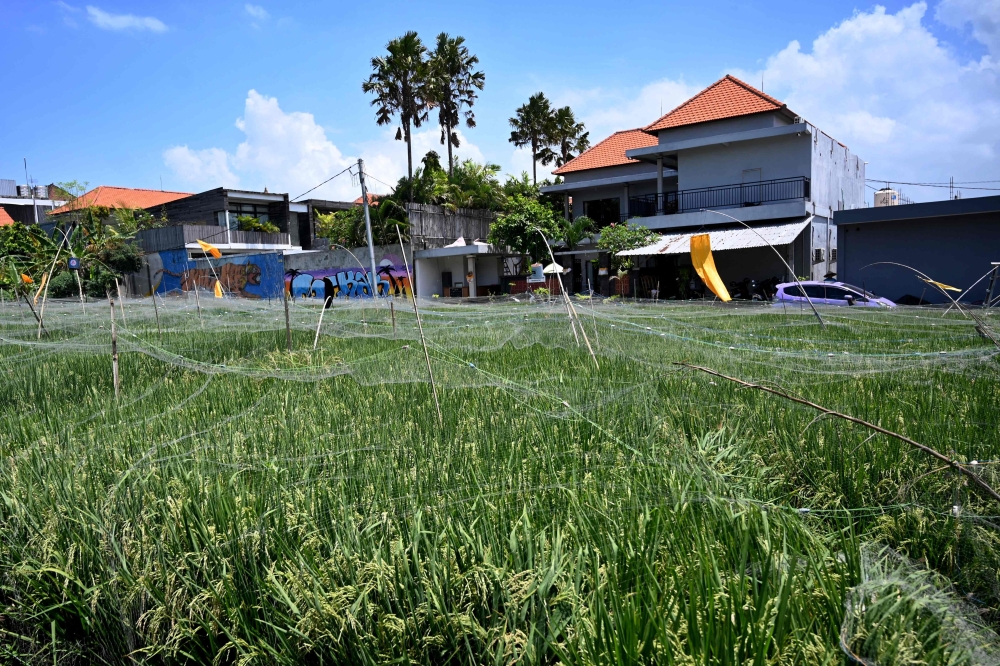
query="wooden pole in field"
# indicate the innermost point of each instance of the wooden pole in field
(288, 325)
(41, 313)
(420, 326)
(197, 301)
(320, 324)
(156, 311)
(121, 302)
(392, 312)
(114, 349)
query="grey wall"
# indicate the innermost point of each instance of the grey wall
(308, 261)
(727, 126)
(837, 176)
(196, 209)
(630, 169)
(778, 157)
(954, 250)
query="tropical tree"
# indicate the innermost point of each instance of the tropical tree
(398, 81)
(567, 137)
(618, 237)
(519, 225)
(576, 231)
(347, 227)
(532, 127)
(452, 84)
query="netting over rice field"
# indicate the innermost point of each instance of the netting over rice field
(240, 502)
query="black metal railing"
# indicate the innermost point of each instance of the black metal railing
(725, 196)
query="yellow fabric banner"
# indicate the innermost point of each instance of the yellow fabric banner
(704, 265)
(211, 249)
(26, 279)
(942, 285)
(41, 287)
(218, 289)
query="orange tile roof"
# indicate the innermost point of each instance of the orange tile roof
(610, 152)
(121, 197)
(726, 98)
(5, 218)
(372, 199)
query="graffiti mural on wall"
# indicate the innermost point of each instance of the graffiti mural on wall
(247, 276)
(349, 282)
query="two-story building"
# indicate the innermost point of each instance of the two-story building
(731, 151)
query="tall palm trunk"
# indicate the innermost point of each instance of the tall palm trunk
(534, 162)
(451, 164)
(409, 158)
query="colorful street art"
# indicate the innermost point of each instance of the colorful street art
(349, 282)
(245, 276)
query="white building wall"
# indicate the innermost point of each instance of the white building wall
(713, 166)
(837, 176)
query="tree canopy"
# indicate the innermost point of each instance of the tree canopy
(452, 84)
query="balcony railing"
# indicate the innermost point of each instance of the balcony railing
(725, 196)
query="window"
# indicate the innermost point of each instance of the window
(833, 254)
(603, 211)
(815, 291)
(236, 209)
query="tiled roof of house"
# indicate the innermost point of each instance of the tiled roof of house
(5, 218)
(121, 197)
(726, 98)
(372, 199)
(610, 152)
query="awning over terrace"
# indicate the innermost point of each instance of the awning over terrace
(724, 239)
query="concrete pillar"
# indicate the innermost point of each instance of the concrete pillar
(566, 206)
(659, 185)
(471, 270)
(624, 209)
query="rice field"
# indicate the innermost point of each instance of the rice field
(240, 503)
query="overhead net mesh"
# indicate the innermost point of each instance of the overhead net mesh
(241, 501)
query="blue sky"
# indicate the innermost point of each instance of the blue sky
(129, 92)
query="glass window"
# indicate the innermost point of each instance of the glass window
(815, 291)
(603, 211)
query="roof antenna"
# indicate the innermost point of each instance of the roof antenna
(762, 80)
(161, 183)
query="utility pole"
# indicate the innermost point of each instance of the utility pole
(373, 277)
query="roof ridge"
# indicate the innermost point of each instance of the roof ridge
(750, 88)
(684, 103)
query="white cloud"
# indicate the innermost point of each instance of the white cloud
(290, 152)
(896, 95)
(257, 12)
(203, 169)
(983, 15)
(108, 21)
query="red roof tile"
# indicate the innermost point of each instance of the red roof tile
(610, 152)
(726, 98)
(121, 197)
(372, 199)
(5, 218)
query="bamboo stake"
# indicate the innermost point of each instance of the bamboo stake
(79, 285)
(288, 325)
(392, 313)
(569, 305)
(121, 303)
(156, 311)
(114, 349)
(320, 324)
(45, 295)
(197, 301)
(957, 466)
(420, 326)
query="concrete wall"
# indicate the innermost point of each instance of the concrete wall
(712, 166)
(727, 126)
(630, 169)
(429, 275)
(837, 176)
(341, 274)
(254, 276)
(953, 250)
(196, 209)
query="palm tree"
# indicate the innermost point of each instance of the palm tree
(453, 83)
(567, 136)
(398, 81)
(532, 127)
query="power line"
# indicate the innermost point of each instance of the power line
(323, 183)
(941, 185)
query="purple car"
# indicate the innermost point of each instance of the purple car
(829, 293)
